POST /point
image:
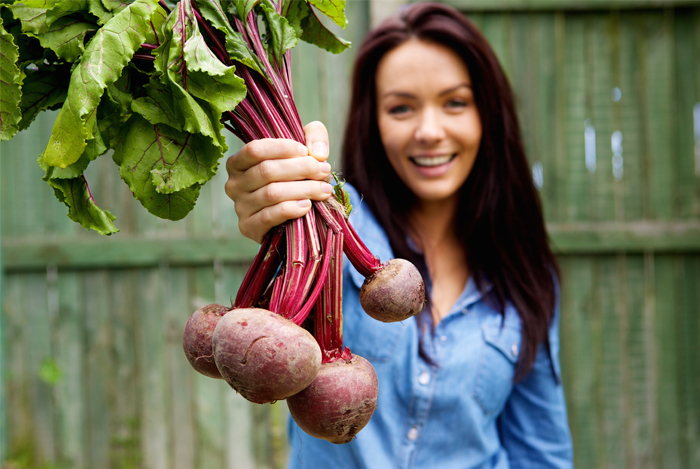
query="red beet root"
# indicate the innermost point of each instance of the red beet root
(264, 356)
(339, 402)
(393, 293)
(197, 338)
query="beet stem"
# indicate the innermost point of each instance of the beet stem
(359, 255)
(261, 272)
(297, 253)
(318, 287)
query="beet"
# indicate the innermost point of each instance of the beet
(264, 356)
(339, 402)
(393, 293)
(197, 338)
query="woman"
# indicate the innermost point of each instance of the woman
(433, 147)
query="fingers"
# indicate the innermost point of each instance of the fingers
(275, 180)
(261, 150)
(256, 226)
(317, 140)
(272, 171)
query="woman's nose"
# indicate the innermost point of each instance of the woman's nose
(429, 128)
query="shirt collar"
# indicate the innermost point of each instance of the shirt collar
(376, 240)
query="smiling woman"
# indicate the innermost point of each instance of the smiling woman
(438, 175)
(428, 120)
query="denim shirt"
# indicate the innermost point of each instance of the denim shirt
(462, 412)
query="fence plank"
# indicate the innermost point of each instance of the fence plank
(70, 358)
(668, 379)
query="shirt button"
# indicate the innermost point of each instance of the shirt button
(424, 378)
(413, 433)
(514, 350)
(443, 338)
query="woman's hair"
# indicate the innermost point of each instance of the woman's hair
(499, 219)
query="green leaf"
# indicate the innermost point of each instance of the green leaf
(158, 107)
(10, 86)
(295, 13)
(281, 35)
(244, 7)
(172, 160)
(41, 90)
(98, 9)
(236, 46)
(81, 206)
(119, 98)
(341, 195)
(190, 70)
(106, 55)
(163, 167)
(66, 37)
(303, 17)
(333, 9)
(38, 15)
(210, 79)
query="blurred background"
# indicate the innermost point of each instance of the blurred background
(92, 373)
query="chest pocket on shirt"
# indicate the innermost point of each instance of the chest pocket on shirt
(499, 356)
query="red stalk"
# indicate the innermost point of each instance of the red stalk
(297, 252)
(277, 292)
(262, 270)
(359, 255)
(318, 287)
(313, 261)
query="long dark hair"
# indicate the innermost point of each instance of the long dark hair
(499, 218)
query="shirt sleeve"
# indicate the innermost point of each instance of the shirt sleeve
(534, 426)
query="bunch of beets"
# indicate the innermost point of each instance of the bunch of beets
(261, 345)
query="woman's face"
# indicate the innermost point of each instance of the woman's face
(427, 118)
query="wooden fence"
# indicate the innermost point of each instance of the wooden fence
(609, 95)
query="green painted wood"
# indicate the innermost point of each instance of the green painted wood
(575, 5)
(567, 238)
(642, 366)
(125, 448)
(99, 378)
(20, 441)
(151, 345)
(687, 96)
(577, 346)
(124, 252)
(180, 411)
(69, 356)
(668, 375)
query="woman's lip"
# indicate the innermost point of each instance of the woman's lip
(432, 161)
(437, 165)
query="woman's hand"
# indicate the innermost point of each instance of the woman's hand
(274, 180)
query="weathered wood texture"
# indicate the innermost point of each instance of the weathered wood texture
(93, 371)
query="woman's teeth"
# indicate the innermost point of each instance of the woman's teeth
(431, 160)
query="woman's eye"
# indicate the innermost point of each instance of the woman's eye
(400, 109)
(456, 103)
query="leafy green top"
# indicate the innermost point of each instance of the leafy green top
(154, 81)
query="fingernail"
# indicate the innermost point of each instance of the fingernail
(303, 151)
(324, 167)
(304, 203)
(320, 149)
(327, 188)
